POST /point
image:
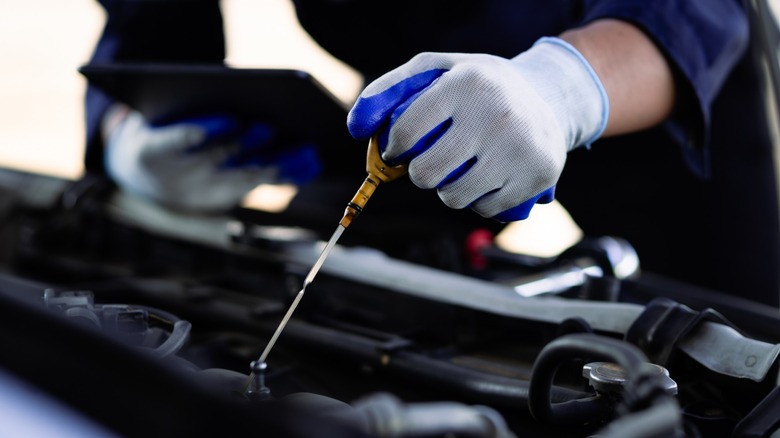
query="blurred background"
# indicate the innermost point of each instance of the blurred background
(43, 42)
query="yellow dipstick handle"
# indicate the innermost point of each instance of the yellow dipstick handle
(378, 171)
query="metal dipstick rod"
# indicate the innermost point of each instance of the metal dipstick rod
(378, 172)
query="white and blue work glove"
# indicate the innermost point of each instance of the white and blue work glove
(205, 164)
(486, 132)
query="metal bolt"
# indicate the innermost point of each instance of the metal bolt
(611, 377)
(258, 390)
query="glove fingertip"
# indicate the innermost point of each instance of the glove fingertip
(211, 126)
(257, 135)
(370, 112)
(220, 126)
(546, 196)
(522, 211)
(363, 120)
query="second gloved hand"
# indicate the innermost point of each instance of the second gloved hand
(488, 133)
(205, 164)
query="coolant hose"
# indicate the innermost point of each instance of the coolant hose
(642, 386)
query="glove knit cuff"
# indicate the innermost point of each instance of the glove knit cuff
(565, 80)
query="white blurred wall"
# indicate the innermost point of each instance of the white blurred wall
(43, 42)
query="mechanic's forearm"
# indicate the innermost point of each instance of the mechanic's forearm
(635, 74)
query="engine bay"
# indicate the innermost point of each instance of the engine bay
(147, 322)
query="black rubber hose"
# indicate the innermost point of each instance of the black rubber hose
(662, 420)
(180, 332)
(159, 314)
(383, 415)
(176, 340)
(577, 412)
(762, 420)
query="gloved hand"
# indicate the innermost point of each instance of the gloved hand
(487, 132)
(205, 164)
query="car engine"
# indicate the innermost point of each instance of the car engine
(137, 321)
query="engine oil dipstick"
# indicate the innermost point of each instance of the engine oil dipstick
(378, 171)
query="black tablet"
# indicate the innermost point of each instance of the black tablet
(294, 102)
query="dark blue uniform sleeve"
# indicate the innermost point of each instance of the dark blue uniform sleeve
(703, 40)
(172, 31)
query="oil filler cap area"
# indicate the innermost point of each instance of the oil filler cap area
(611, 377)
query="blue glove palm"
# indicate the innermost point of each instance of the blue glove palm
(201, 164)
(298, 165)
